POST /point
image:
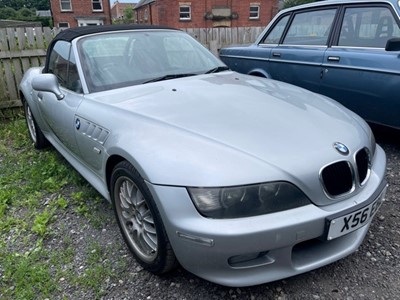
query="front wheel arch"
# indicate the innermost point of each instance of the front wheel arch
(139, 220)
(259, 73)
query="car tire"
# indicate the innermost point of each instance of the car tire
(35, 133)
(139, 220)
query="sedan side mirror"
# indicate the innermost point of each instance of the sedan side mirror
(47, 83)
(393, 45)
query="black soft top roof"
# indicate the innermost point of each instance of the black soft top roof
(72, 33)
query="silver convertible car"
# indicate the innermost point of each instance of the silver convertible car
(241, 180)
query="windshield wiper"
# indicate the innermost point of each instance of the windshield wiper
(168, 76)
(217, 69)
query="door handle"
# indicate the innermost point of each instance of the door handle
(333, 58)
(276, 54)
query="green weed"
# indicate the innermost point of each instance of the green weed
(37, 187)
(26, 276)
(40, 222)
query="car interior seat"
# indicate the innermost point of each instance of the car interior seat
(384, 28)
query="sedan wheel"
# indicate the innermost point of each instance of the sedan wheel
(139, 220)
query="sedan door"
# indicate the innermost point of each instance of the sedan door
(357, 71)
(298, 57)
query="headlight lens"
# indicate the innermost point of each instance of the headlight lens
(246, 201)
(373, 143)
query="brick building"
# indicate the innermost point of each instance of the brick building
(206, 13)
(74, 13)
(118, 8)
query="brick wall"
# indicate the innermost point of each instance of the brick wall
(80, 9)
(167, 13)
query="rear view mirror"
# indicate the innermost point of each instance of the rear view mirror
(393, 45)
(47, 83)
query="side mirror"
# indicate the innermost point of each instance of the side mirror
(393, 45)
(47, 83)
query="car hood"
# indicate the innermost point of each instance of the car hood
(238, 128)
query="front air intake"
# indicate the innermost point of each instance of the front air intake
(363, 165)
(338, 178)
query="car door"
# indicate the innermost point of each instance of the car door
(254, 59)
(298, 57)
(357, 71)
(59, 114)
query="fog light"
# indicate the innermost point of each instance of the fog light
(250, 260)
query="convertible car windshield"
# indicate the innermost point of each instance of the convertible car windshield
(119, 59)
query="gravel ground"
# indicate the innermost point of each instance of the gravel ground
(373, 272)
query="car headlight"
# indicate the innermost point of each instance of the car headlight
(246, 201)
(373, 143)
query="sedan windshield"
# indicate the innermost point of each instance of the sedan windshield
(120, 59)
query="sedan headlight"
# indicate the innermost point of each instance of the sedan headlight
(246, 201)
(373, 143)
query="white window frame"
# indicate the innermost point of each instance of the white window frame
(99, 2)
(89, 22)
(188, 6)
(66, 2)
(251, 15)
(64, 23)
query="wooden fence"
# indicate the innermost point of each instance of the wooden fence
(216, 38)
(22, 48)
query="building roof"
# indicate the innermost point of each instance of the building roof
(43, 13)
(143, 3)
(124, 4)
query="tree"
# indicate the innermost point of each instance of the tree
(290, 3)
(128, 14)
(18, 4)
(25, 13)
(128, 18)
(41, 4)
(7, 13)
(15, 4)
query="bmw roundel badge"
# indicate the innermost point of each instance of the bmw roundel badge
(77, 124)
(341, 148)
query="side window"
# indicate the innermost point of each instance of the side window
(275, 34)
(368, 27)
(310, 28)
(58, 62)
(73, 82)
(62, 64)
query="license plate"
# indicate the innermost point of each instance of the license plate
(354, 220)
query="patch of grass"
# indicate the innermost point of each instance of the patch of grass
(36, 188)
(98, 269)
(62, 202)
(40, 222)
(27, 276)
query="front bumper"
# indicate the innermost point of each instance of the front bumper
(255, 250)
